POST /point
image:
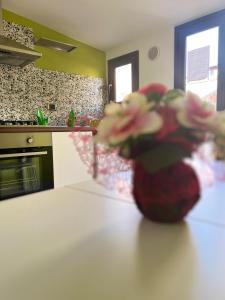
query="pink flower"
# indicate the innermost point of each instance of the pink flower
(170, 123)
(196, 113)
(154, 87)
(130, 119)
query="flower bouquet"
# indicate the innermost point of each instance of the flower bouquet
(158, 129)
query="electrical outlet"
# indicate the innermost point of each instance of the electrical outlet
(51, 106)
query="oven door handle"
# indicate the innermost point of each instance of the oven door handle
(14, 155)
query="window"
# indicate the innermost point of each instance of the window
(200, 58)
(123, 84)
(123, 76)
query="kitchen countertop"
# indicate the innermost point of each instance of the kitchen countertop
(80, 243)
(15, 129)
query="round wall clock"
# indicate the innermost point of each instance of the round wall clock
(153, 53)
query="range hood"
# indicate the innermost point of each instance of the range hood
(56, 45)
(13, 53)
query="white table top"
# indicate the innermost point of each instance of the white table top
(97, 189)
(210, 209)
(75, 244)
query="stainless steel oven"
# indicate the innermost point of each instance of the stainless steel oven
(26, 163)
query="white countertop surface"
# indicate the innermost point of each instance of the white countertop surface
(82, 242)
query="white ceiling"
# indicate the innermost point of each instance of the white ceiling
(107, 23)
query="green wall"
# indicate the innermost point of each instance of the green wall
(84, 60)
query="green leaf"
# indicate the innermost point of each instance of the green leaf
(154, 96)
(162, 156)
(41, 118)
(173, 94)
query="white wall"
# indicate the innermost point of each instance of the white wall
(159, 70)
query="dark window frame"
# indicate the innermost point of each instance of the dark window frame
(133, 58)
(216, 19)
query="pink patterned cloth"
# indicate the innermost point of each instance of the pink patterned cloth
(106, 166)
(207, 168)
(116, 173)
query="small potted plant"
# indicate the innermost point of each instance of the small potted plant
(41, 118)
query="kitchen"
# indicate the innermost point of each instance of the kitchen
(53, 92)
(63, 236)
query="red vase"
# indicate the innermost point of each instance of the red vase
(167, 195)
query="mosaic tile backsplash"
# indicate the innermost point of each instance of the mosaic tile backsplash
(24, 90)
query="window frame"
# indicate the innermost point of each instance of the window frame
(129, 58)
(216, 19)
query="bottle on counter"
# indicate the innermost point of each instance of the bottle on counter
(71, 119)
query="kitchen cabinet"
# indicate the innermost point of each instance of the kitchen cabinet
(68, 167)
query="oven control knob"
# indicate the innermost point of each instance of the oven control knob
(30, 140)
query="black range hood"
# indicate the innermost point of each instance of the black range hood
(13, 53)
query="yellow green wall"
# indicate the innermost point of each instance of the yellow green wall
(84, 60)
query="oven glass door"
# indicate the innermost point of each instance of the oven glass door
(24, 171)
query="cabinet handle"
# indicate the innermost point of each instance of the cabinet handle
(14, 155)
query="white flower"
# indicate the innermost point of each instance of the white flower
(113, 109)
(131, 119)
(137, 99)
(178, 103)
(195, 113)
